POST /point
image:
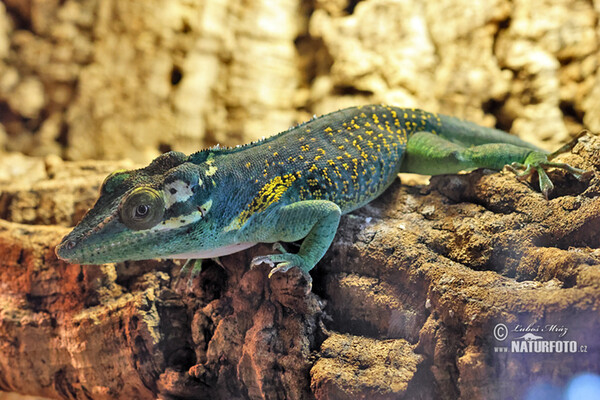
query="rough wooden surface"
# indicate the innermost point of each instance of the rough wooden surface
(116, 79)
(404, 304)
(407, 299)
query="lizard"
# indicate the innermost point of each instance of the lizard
(291, 186)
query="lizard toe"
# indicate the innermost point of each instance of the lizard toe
(281, 263)
(256, 261)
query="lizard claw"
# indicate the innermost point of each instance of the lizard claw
(281, 263)
(284, 267)
(546, 185)
(256, 261)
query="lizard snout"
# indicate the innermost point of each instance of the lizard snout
(64, 249)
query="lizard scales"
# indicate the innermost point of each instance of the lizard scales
(348, 157)
(287, 187)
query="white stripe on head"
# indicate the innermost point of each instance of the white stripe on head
(175, 192)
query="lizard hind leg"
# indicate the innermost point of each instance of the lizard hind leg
(539, 162)
(431, 154)
(189, 271)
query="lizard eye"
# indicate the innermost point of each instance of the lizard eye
(142, 209)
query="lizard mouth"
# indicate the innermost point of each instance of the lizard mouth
(63, 249)
(74, 247)
(113, 247)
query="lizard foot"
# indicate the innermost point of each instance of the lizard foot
(190, 271)
(538, 162)
(282, 263)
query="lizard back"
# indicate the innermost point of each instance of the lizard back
(348, 157)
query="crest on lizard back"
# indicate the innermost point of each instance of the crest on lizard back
(139, 209)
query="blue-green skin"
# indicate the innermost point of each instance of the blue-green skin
(291, 186)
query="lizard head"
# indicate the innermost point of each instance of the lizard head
(141, 214)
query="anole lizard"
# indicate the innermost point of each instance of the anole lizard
(291, 186)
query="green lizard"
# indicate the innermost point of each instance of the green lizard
(291, 186)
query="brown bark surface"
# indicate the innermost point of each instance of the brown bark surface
(404, 304)
(406, 301)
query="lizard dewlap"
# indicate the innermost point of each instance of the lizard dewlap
(291, 186)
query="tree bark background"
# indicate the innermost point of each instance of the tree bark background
(406, 301)
(129, 79)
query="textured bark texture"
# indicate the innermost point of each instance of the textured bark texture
(412, 298)
(404, 304)
(117, 79)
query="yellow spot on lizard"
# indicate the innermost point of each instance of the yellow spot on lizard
(268, 195)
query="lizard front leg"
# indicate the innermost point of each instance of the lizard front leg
(315, 220)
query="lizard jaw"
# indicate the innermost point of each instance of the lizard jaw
(212, 253)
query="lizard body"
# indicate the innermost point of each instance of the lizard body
(291, 186)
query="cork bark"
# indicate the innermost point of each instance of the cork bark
(408, 300)
(404, 304)
(118, 79)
